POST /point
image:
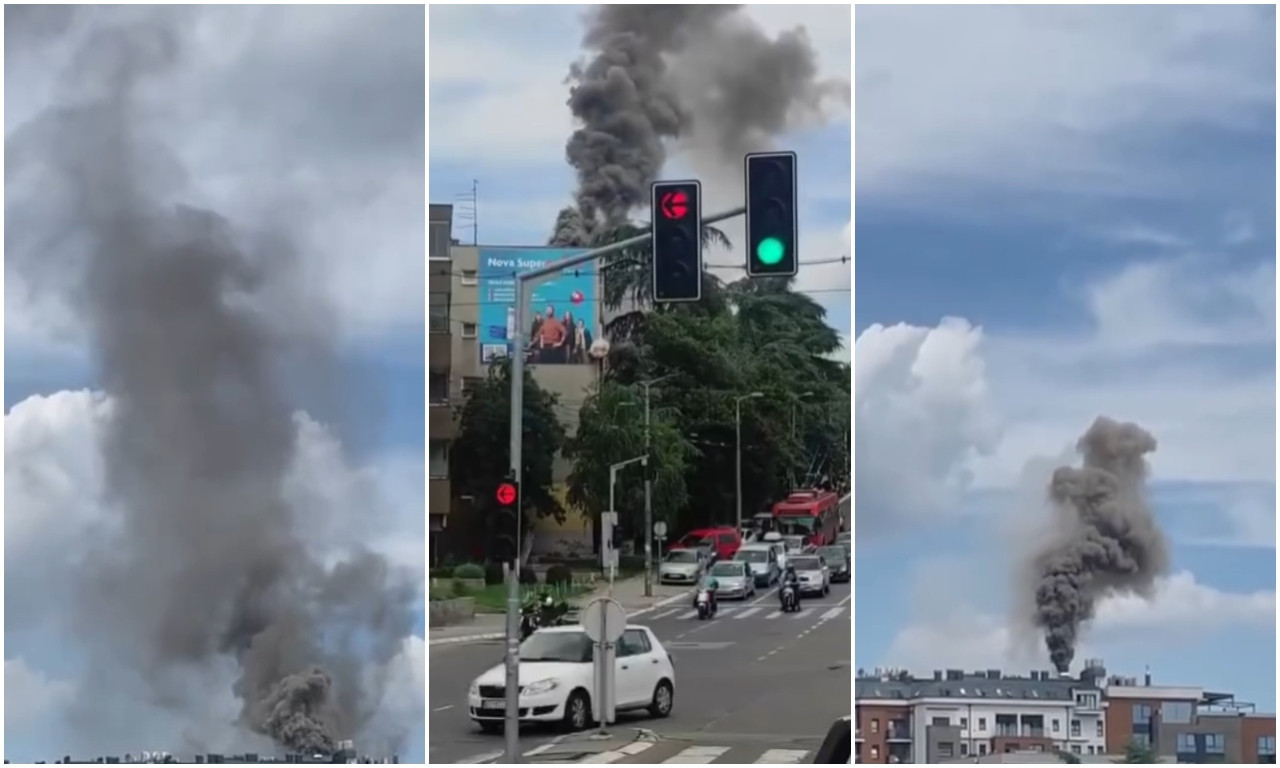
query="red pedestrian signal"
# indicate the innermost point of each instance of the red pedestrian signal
(674, 205)
(506, 494)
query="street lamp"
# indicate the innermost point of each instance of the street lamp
(648, 491)
(794, 403)
(737, 419)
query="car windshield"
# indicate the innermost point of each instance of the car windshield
(727, 569)
(682, 556)
(556, 646)
(690, 540)
(832, 554)
(806, 563)
(752, 555)
(794, 542)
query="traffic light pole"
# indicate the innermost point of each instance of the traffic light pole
(523, 281)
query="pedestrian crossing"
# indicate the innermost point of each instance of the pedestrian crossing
(823, 612)
(683, 753)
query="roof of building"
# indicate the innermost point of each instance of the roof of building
(984, 684)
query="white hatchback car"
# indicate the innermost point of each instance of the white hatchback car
(556, 679)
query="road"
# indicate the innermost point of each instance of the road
(749, 681)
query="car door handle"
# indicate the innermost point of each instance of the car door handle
(653, 661)
(624, 666)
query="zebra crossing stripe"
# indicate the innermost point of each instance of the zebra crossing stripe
(782, 757)
(664, 614)
(748, 612)
(800, 614)
(614, 755)
(696, 756)
(834, 612)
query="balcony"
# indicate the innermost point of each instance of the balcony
(441, 424)
(898, 731)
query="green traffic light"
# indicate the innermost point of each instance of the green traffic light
(770, 251)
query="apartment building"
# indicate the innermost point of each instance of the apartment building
(955, 715)
(1188, 723)
(989, 716)
(441, 427)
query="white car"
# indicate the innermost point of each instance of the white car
(813, 574)
(556, 679)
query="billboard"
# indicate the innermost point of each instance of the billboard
(562, 317)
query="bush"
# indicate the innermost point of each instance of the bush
(468, 571)
(493, 574)
(559, 576)
(528, 576)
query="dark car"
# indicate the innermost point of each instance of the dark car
(837, 560)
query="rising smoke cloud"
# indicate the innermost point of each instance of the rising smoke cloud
(701, 77)
(1106, 541)
(203, 560)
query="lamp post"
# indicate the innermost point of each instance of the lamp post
(794, 403)
(737, 421)
(648, 490)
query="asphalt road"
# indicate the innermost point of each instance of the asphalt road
(774, 681)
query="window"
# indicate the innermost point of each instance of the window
(982, 749)
(438, 387)
(1055, 726)
(942, 722)
(439, 459)
(634, 642)
(982, 724)
(1075, 729)
(469, 383)
(1142, 713)
(468, 330)
(438, 246)
(468, 277)
(1176, 712)
(946, 749)
(1186, 743)
(964, 749)
(1099, 728)
(1143, 740)
(1215, 743)
(875, 753)
(1075, 749)
(875, 725)
(1267, 745)
(438, 307)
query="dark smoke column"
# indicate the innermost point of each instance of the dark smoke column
(1108, 542)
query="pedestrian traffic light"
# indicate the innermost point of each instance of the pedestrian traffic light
(771, 214)
(618, 538)
(677, 241)
(505, 530)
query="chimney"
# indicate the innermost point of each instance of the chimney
(1146, 678)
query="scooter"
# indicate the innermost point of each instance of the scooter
(706, 606)
(528, 623)
(790, 598)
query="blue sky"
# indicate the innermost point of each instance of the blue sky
(489, 64)
(1064, 212)
(260, 113)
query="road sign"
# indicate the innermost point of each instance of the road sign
(604, 620)
(674, 205)
(506, 494)
(660, 529)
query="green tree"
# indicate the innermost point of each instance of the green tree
(610, 431)
(1138, 752)
(480, 457)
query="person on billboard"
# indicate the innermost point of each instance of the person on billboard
(581, 342)
(570, 349)
(551, 338)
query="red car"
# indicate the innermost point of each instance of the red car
(724, 541)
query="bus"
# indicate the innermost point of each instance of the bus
(809, 512)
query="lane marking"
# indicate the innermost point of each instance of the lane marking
(478, 759)
(800, 614)
(749, 612)
(696, 756)
(782, 757)
(441, 709)
(834, 612)
(663, 615)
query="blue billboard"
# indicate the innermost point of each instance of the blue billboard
(562, 318)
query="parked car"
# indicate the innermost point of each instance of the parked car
(556, 674)
(682, 566)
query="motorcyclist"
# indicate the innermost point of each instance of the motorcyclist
(789, 578)
(709, 583)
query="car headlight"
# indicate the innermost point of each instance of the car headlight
(475, 689)
(542, 686)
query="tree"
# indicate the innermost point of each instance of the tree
(480, 457)
(610, 431)
(1138, 752)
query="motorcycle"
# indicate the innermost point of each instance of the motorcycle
(528, 623)
(706, 605)
(790, 598)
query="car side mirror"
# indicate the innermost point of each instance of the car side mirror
(837, 747)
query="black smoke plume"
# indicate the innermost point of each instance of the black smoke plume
(702, 76)
(189, 321)
(1107, 541)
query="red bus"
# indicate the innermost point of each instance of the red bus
(812, 513)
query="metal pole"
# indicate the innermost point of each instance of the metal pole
(517, 432)
(648, 493)
(737, 458)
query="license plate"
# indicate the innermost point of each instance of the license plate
(493, 704)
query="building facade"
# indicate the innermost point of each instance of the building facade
(989, 716)
(441, 425)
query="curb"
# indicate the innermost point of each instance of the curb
(467, 638)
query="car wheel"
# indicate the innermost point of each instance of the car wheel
(664, 697)
(490, 726)
(577, 712)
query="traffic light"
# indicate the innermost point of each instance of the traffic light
(771, 214)
(677, 241)
(618, 538)
(505, 530)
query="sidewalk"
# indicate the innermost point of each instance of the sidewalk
(486, 626)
